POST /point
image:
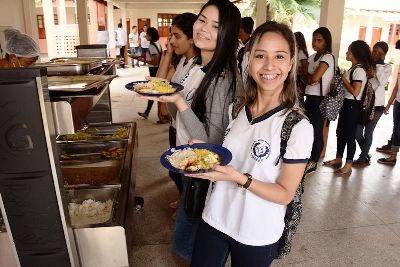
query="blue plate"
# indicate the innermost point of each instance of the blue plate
(224, 154)
(131, 86)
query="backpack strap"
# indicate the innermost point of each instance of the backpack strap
(236, 107)
(291, 120)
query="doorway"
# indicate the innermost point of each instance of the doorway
(141, 23)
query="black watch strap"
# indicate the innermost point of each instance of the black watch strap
(248, 182)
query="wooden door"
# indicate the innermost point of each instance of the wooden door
(141, 23)
(164, 22)
(40, 25)
(362, 32)
(128, 30)
(376, 35)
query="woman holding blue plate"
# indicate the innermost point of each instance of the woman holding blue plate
(246, 205)
(202, 106)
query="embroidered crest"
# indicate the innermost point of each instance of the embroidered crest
(190, 95)
(260, 150)
(227, 131)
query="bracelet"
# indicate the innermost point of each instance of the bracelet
(248, 182)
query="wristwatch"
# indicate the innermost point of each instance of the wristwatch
(248, 182)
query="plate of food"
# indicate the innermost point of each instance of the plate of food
(196, 158)
(154, 87)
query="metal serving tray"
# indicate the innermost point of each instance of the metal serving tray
(100, 134)
(98, 194)
(70, 66)
(92, 151)
(78, 83)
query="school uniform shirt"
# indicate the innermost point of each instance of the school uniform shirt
(359, 75)
(154, 49)
(255, 147)
(133, 39)
(143, 41)
(383, 72)
(180, 76)
(313, 63)
(121, 37)
(191, 83)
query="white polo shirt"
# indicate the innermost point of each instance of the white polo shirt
(314, 89)
(255, 147)
(383, 72)
(191, 82)
(359, 75)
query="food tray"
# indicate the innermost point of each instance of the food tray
(99, 134)
(99, 194)
(78, 83)
(70, 66)
(92, 151)
(91, 173)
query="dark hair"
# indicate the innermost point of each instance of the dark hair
(224, 57)
(301, 42)
(382, 45)
(288, 96)
(397, 45)
(185, 23)
(119, 25)
(326, 34)
(362, 54)
(153, 33)
(247, 24)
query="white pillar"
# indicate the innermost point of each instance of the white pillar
(331, 16)
(370, 28)
(49, 25)
(123, 16)
(62, 20)
(30, 19)
(110, 23)
(82, 14)
(261, 12)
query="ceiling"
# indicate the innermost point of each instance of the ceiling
(163, 4)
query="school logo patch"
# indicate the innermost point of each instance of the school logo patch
(260, 150)
(190, 95)
(227, 131)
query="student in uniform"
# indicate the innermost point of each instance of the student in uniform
(246, 204)
(180, 57)
(152, 58)
(202, 106)
(395, 139)
(354, 81)
(365, 133)
(302, 65)
(320, 73)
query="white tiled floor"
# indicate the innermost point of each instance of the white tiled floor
(347, 221)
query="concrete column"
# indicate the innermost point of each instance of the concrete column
(82, 13)
(261, 12)
(30, 19)
(123, 16)
(370, 28)
(49, 25)
(110, 24)
(331, 16)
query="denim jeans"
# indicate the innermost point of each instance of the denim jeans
(134, 50)
(396, 127)
(314, 115)
(212, 248)
(176, 177)
(184, 234)
(364, 135)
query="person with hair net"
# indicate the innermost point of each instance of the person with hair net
(21, 50)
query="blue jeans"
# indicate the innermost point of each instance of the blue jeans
(184, 234)
(396, 127)
(212, 248)
(364, 135)
(134, 50)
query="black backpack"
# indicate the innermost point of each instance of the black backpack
(367, 100)
(294, 209)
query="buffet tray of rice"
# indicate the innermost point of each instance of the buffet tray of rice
(92, 207)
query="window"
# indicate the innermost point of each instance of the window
(164, 22)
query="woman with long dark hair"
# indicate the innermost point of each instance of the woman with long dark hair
(354, 80)
(202, 107)
(320, 73)
(302, 64)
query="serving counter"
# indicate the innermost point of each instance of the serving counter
(66, 198)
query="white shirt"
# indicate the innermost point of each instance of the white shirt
(191, 82)
(133, 39)
(314, 89)
(359, 75)
(143, 41)
(121, 37)
(383, 72)
(237, 212)
(301, 56)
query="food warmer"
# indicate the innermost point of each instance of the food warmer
(67, 199)
(79, 91)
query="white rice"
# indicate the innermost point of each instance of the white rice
(179, 155)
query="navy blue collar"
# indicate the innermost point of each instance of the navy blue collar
(264, 116)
